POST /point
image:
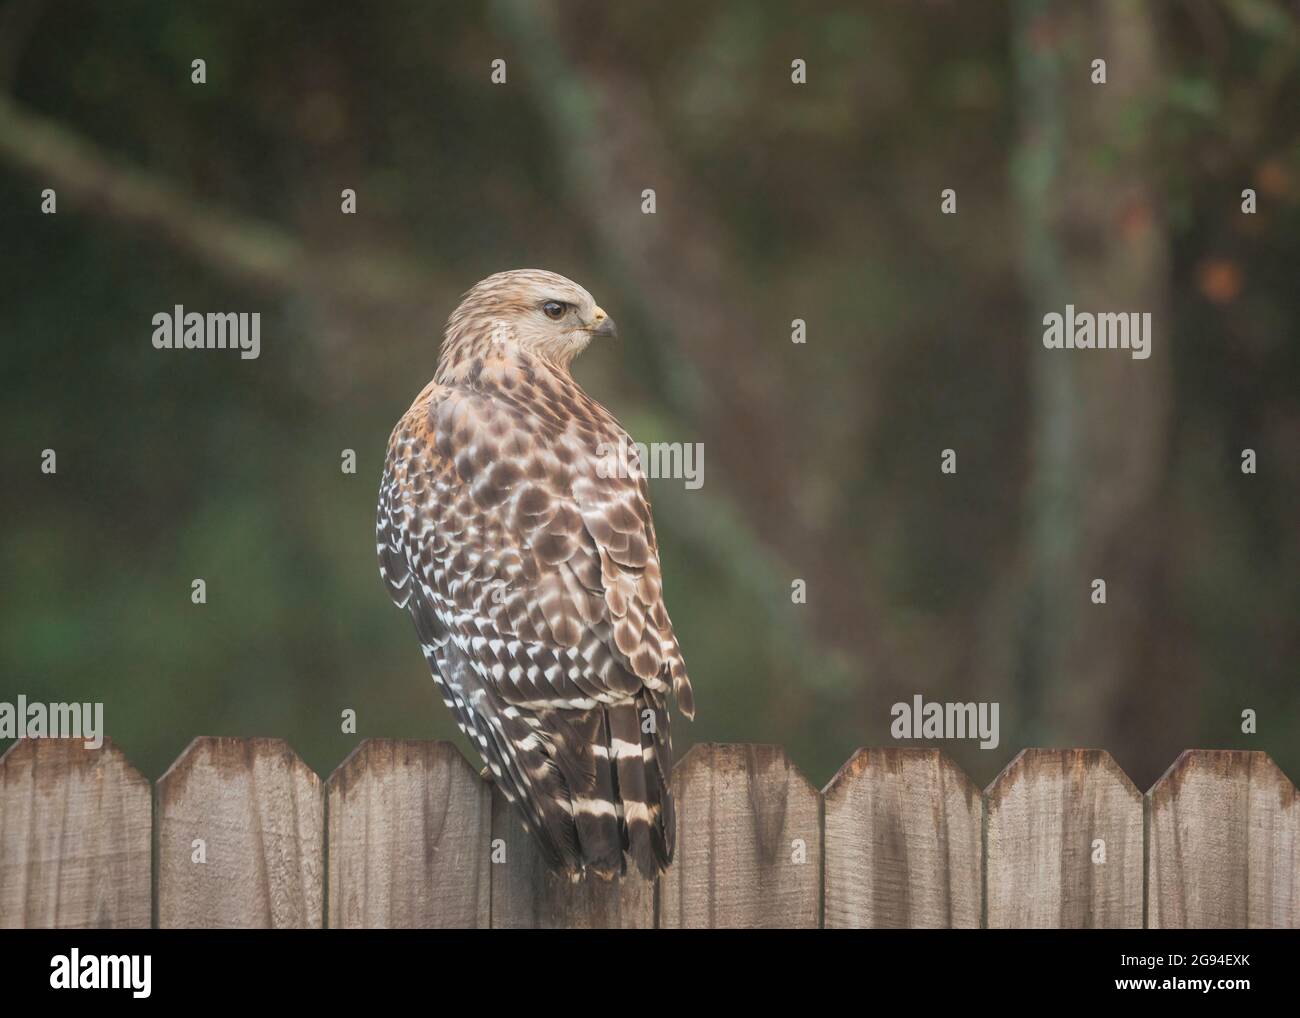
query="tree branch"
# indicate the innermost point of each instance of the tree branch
(249, 252)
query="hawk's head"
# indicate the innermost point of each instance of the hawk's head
(534, 310)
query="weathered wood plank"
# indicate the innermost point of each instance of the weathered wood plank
(525, 895)
(409, 830)
(75, 829)
(748, 841)
(1046, 812)
(1225, 843)
(902, 842)
(259, 812)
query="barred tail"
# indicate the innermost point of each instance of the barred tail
(639, 748)
(581, 743)
(608, 792)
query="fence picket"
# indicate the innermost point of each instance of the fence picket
(409, 830)
(1225, 843)
(74, 837)
(1064, 842)
(902, 842)
(748, 841)
(256, 812)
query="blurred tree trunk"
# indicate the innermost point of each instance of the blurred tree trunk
(1091, 236)
(681, 262)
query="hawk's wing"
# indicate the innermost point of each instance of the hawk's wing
(544, 571)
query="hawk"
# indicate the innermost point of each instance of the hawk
(514, 526)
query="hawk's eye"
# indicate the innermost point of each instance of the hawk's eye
(553, 309)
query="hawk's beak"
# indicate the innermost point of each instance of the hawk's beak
(602, 324)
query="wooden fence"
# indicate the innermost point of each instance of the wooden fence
(240, 832)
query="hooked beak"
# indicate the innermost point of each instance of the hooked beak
(602, 324)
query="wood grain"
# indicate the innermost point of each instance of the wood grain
(744, 813)
(75, 828)
(1225, 843)
(260, 812)
(1045, 811)
(409, 830)
(525, 895)
(902, 842)
(413, 831)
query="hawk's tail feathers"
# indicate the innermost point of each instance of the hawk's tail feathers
(638, 749)
(581, 744)
(657, 754)
(591, 785)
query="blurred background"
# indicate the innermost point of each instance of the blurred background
(775, 201)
